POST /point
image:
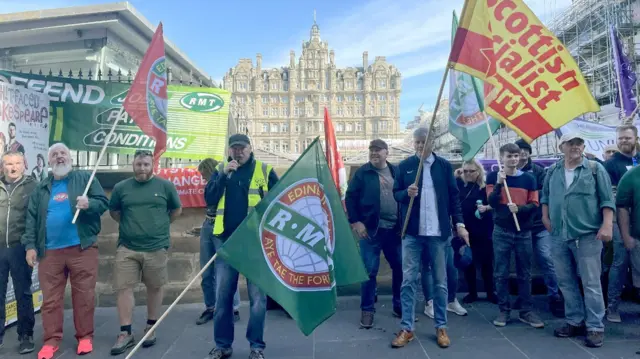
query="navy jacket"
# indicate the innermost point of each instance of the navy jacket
(363, 196)
(446, 190)
(236, 194)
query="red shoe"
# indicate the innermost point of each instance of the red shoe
(85, 346)
(47, 352)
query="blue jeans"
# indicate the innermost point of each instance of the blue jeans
(387, 241)
(227, 285)
(618, 270)
(413, 249)
(452, 277)
(583, 256)
(504, 243)
(208, 283)
(542, 250)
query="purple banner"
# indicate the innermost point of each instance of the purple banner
(492, 165)
(624, 75)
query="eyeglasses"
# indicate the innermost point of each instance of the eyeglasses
(469, 171)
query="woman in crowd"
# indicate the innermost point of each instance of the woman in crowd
(479, 223)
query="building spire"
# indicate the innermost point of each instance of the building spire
(314, 16)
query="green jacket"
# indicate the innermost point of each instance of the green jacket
(88, 221)
(13, 210)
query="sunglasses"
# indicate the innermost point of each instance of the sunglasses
(469, 171)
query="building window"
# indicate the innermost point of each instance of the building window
(265, 99)
(340, 127)
(274, 112)
(299, 99)
(360, 84)
(286, 86)
(285, 147)
(382, 97)
(275, 128)
(265, 127)
(358, 98)
(383, 83)
(274, 99)
(383, 110)
(359, 127)
(274, 86)
(297, 146)
(296, 111)
(297, 128)
(309, 127)
(285, 127)
(285, 99)
(339, 98)
(349, 127)
(265, 112)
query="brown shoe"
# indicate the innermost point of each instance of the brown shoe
(403, 338)
(443, 338)
(366, 320)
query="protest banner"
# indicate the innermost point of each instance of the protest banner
(189, 184)
(83, 111)
(596, 136)
(24, 127)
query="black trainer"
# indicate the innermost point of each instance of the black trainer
(205, 317)
(26, 344)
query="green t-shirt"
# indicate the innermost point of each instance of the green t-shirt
(628, 196)
(144, 212)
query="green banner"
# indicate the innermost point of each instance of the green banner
(83, 111)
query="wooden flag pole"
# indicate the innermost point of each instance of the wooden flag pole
(104, 148)
(506, 187)
(427, 144)
(166, 312)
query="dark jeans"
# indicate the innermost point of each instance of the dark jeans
(504, 243)
(482, 251)
(388, 242)
(226, 286)
(208, 282)
(13, 260)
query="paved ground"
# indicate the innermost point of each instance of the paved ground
(472, 336)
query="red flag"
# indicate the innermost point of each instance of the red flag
(336, 166)
(146, 101)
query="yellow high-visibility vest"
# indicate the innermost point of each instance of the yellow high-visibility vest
(258, 180)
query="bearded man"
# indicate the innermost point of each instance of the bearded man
(65, 249)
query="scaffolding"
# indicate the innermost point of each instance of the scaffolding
(584, 30)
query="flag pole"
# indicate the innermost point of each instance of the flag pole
(121, 113)
(506, 187)
(427, 144)
(166, 312)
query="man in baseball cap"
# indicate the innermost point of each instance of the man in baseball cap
(572, 137)
(239, 140)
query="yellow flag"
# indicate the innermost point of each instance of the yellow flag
(532, 84)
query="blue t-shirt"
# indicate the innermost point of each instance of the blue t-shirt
(61, 233)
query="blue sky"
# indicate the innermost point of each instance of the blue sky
(414, 35)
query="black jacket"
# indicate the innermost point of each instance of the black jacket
(236, 192)
(538, 172)
(363, 196)
(13, 210)
(446, 191)
(479, 229)
(618, 165)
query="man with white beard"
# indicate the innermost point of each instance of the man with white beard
(65, 249)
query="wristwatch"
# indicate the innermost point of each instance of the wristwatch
(460, 225)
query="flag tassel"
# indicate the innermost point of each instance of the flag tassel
(175, 302)
(95, 168)
(506, 187)
(427, 144)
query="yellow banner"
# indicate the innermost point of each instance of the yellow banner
(533, 83)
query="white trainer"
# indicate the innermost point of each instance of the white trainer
(455, 307)
(428, 309)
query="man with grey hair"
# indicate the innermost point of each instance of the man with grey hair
(65, 249)
(15, 189)
(436, 206)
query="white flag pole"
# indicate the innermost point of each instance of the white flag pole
(104, 148)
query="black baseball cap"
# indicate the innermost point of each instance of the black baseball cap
(239, 139)
(379, 144)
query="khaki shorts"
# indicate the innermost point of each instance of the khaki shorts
(132, 267)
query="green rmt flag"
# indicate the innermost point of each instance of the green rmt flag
(466, 109)
(297, 245)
